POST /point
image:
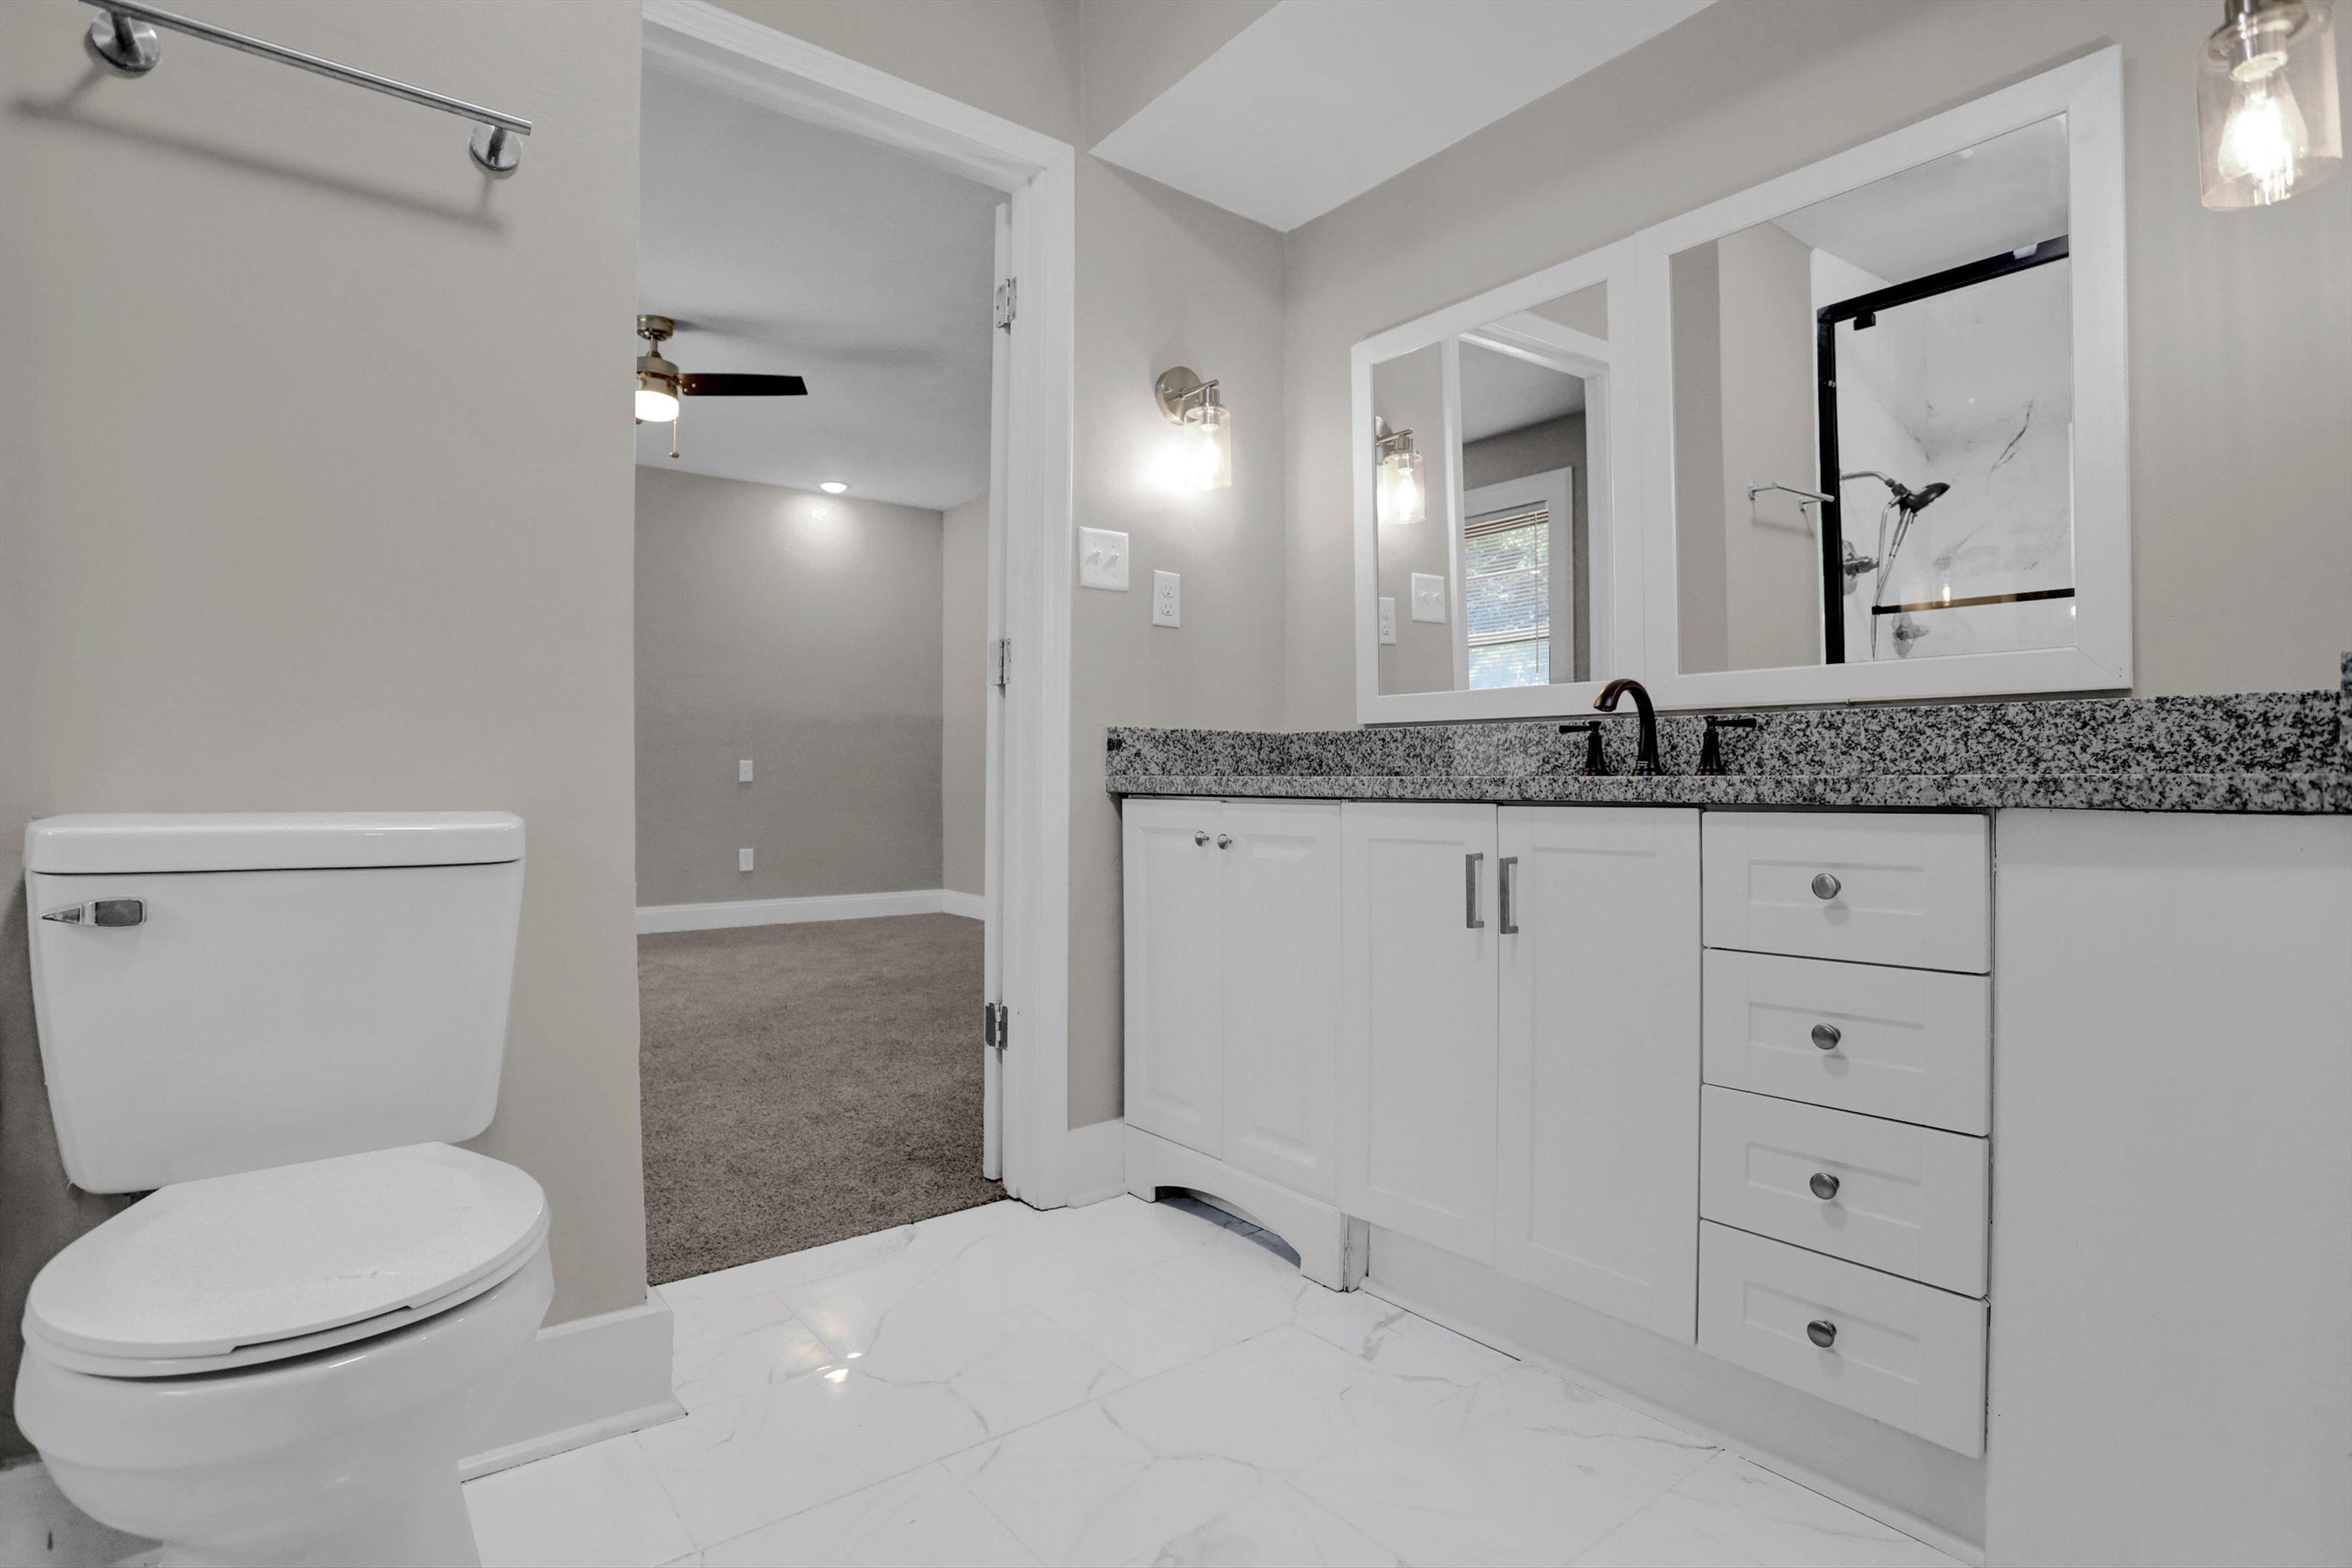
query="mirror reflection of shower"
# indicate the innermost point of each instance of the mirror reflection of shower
(1902, 505)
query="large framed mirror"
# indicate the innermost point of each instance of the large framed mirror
(1891, 396)
(1492, 456)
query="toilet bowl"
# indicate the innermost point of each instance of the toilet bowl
(279, 1366)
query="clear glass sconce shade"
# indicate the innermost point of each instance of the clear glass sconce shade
(2267, 117)
(1205, 447)
(1399, 493)
(656, 404)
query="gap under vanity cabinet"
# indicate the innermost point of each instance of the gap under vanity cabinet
(1724, 1075)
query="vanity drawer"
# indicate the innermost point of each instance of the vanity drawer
(1901, 1352)
(1912, 1044)
(1898, 889)
(1907, 1199)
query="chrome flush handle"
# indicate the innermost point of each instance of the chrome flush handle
(101, 912)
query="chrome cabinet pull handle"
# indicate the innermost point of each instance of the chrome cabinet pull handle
(1200, 835)
(1825, 886)
(1822, 1332)
(1506, 873)
(1825, 1185)
(1470, 920)
(1827, 1036)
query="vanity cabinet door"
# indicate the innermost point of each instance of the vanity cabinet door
(1173, 870)
(1598, 1195)
(1417, 1075)
(1280, 965)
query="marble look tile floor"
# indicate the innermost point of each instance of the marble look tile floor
(1129, 1383)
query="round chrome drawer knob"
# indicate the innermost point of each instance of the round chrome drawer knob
(1225, 841)
(1827, 1036)
(1822, 1332)
(1201, 837)
(1825, 886)
(1825, 1185)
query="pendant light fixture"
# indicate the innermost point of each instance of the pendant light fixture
(2267, 119)
(1203, 457)
(1399, 495)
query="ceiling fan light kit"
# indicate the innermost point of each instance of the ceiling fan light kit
(661, 385)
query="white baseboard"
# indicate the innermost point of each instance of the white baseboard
(798, 911)
(1095, 1160)
(580, 1383)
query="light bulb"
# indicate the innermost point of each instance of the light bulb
(1399, 495)
(832, 487)
(1205, 448)
(2266, 103)
(656, 404)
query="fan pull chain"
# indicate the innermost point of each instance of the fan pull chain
(673, 435)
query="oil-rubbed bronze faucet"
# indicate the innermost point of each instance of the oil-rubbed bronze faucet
(1646, 757)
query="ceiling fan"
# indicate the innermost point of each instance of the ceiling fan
(660, 384)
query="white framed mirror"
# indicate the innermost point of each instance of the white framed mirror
(1884, 416)
(1493, 465)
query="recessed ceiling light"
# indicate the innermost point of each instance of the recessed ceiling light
(833, 486)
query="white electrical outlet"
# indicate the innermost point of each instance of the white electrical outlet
(743, 771)
(1167, 599)
(743, 860)
(1428, 597)
(1102, 559)
(1388, 620)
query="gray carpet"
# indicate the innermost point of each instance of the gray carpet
(805, 1083)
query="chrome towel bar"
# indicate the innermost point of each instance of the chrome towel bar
(123, 36)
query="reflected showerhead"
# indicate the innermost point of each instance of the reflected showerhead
(1906, 497)
(1916, 500)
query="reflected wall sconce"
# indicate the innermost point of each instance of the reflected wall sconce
(1203, 457)
(2267, 121)
(1398, 494)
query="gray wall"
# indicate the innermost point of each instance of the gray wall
(2239, 393)
(314, 495)
(964, 696)
(801, 631)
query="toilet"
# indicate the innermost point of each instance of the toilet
(276, 1026)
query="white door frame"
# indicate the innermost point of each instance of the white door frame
(1029, 887)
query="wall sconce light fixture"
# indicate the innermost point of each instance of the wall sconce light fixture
(1202, 457)
(2267, 121)
(1399, 495)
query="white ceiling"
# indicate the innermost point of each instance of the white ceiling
(1317, 102)
(2000, 194)
(784, 248)
(1503, 392)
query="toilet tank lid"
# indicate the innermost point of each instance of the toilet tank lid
(121, 842)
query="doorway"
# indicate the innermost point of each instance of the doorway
(814, 1060)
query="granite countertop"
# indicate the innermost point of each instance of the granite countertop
(2283, 751)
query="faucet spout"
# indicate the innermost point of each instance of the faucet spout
(1645, 758)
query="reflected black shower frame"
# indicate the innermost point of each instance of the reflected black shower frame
(1825, 322)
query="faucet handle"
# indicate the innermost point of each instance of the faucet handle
(1710, 746)
(1596, 760)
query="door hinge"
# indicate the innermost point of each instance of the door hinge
(995, 1028)
(999, 663)
(1008, 303)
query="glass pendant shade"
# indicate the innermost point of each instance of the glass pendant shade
(1399, 494)
(656, 404)
(1205, 447)
(2268, 122)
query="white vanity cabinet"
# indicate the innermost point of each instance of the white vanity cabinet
(1519, 1068)
(1232, 982)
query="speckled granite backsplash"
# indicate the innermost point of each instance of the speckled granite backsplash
(2265, 751)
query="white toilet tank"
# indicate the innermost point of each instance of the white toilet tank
(224, 992)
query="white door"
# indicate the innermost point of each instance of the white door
(1598, 1136)
(1173, 871)
(1417, 1056)
(991, 880)
(1281, 983)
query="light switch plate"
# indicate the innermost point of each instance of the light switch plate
(1102, 559)
(743, 771)
(743, 860)
(1388, 620)
(1428, 597)
(1167, 599)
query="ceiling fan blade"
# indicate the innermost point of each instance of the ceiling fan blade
(728, 384)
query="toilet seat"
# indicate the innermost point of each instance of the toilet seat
(262, 1266)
